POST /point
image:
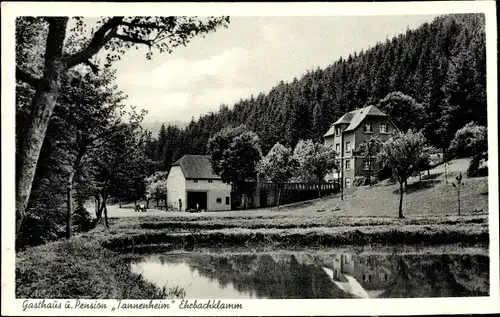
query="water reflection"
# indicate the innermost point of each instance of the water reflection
(301, 275)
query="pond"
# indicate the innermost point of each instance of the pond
(326, 274)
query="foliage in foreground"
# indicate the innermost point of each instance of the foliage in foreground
(81, 269)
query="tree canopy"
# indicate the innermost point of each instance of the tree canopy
(315, 158)
(400, 153)
(234, 154)
(470, 140)
(278, 166)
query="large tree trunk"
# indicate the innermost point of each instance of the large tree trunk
(97, 205)
(42, 106)
(446, 172)
(69, 202)
(341, 171)
(279, 195)
(99, 212)
(370, 171)
(106, 221)
(103, 205)
(69, 188)
(401, 198)
(445, 167)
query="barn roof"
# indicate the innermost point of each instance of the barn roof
(196, 167)
(354, 118)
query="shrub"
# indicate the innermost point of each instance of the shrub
(82, 219)
(477, 166)
(364, 181)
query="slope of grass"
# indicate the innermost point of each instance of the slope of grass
(80, 268)
(433, 196)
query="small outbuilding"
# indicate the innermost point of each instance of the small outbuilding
(192, 185)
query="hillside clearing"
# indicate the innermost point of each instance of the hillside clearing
(429, 198)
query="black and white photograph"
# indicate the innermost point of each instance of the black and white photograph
(207, 160)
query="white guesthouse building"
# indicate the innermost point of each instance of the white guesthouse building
(191, 183)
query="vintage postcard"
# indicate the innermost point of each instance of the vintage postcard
(249, 159)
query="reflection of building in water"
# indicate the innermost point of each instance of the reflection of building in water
(358, 277)
(342, 263)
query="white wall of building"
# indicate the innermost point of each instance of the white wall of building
(217, 192)
(176, 188)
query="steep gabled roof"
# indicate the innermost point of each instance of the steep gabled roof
(346, 118)
(354, 118)
(196, 167)
(361, 114)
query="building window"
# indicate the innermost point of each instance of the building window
(337, 148)
(336, 274)
(227, 200)
(337, 131)
(383, 128)
(348, 165)
(383, 277)
(366, 165)
(210, 181)
(219, 200)
(367, 278)
(347, 182)
(348, 146)
(368, 128)
(195, 181)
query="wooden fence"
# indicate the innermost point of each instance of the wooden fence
(261, 194)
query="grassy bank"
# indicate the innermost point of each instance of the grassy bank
(80, 268)
(315, 220)
(309, 237)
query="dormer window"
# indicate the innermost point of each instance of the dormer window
(368, 128)
(383, 128)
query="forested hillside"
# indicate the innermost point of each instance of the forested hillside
(442, 65)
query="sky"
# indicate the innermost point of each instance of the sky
(250, 56)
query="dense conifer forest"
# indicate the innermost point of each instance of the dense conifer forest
(441, 65)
